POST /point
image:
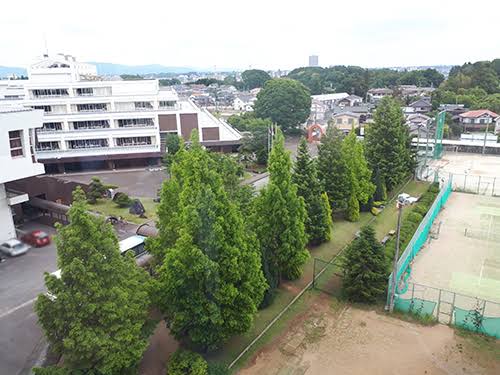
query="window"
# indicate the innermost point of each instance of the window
(133, 141)
(44, 93)
(92, 124)
(350, 121)
(143, 105)
(16, 143)
(95, 107)
(339, 121)
(46, 108)
(167, 103)
(47, 146)
(85, 91)
(87, 143)
(135, 122)
(51, 126)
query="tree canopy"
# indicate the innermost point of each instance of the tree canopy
(387, 143)
(254, 78)
(210, 281)
(95, 314)
(279, 219)
(285, 101)
(318, 224)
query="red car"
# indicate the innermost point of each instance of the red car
(37, 238)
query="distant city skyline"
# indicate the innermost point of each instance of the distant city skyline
(217, 35)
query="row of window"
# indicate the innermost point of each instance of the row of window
(37, 93)
(92, 143)
(16, 143)
(99, 124)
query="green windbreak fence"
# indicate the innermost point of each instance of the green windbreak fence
(470, 313)
(418, 240)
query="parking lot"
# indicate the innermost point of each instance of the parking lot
(21, 281)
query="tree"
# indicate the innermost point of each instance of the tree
(169, 82)
(352, 211)
(333, 170)
(95, 314)
(95, 191)
(184, 362)
(380, 188)
(254, 78)
(279, 220)
(387, 143)
(285, 101)
(365, 268)
(354, 154)
(318, 224)
(173, 144)
(210, 264)
(254, 145)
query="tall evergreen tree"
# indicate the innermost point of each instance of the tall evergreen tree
(354, 154)
(279, 219)
(211, 281)
(318, 224)
(333, 170)
(388, 143)
(365, 268)
(95, 313)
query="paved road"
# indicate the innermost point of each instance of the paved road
(21, 280)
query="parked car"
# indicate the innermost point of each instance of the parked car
(14, 247)
(36, 238)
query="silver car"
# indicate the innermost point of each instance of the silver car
(14, 247)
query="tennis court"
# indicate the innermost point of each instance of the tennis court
(463, 251)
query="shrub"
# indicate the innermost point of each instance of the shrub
(185, 362)
(215, 368)
(122, 200)
(414, 217)
(95, 190)
(378, 203)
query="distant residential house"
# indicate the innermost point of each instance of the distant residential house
(479, 119)
(244, 102)
(346, 121)
(421, 106)
(417, 124)
(330, 100)
(318, 112)
(412, 90)
(364, 111)
(350, 101)
(374, 95)
(455, 110)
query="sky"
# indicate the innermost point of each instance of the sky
(266, 34)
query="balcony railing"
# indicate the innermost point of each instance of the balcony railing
(94, 149)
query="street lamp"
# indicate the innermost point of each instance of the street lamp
(401, 202)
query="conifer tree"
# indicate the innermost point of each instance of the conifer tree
(318, 224)
(210, 281)
(388, 142)
(365, 268)
(279, 219)
(352, 212)
(333, 170)
(95, 314)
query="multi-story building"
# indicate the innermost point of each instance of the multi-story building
(90, 122)
(17, 125)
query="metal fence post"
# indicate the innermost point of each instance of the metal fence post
(452, 313)
(478, 184)
(314, 274)
(439, 305)
(412, 291)
(493, 190)
(465, 181)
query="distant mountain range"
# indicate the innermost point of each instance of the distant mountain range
(114, 69)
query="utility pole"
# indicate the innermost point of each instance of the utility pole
(399, 205)
(485, 136)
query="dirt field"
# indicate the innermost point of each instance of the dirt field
(348, 341)
(465, 258)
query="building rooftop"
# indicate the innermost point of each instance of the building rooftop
(5, 108)
(478, 113)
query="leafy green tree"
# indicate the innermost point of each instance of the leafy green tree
(169, 82)
(280, 215)
(352, 211)
(318, 224)
(184, 362)
(96, 190)
(387, 143)
(380, 188)
(365, 268)
(95, 314)
(333, 170)
(254, 78)
(173, 144)
(210, 264)
(354, 154)
(313, 77)
(285, 101)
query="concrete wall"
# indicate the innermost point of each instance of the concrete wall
(7, 229)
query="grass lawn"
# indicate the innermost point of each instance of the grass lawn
(108, 208)
(343, 233)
